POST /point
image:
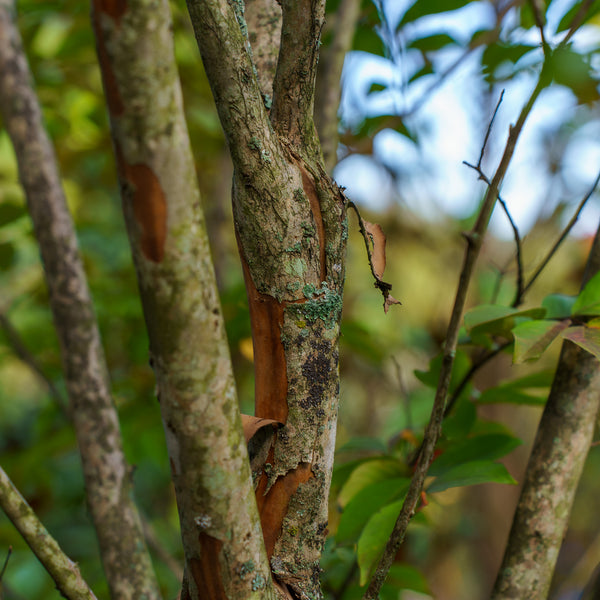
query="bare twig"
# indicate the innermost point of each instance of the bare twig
(63, 571)
(433, 429)
(563, 236)
(577, 21)
(5, 563)
(538, 15)
(487, 136)
(21, 350)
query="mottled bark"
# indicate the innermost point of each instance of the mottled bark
(61, 568)
(107, 476)
(561, 446)
(342, 25)
(224, 550)
(291, 227)
(264, 31)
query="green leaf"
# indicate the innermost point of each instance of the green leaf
(367, 473)
(558, 306)
(433, 42)
(481, 447)
(374, 538)
(10, 212)
(515, 392)
(406, 577)
(533, 337)
(367, 40)
(496, 55)
(7, 255)
(471, 473)
(567, 20)
(588, 301)
(461, 421)
(574, 70)
(430, 7)
(493, 319)
(587, 338)
(462, 364)
(366, 503)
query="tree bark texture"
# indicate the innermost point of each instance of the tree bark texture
(290, 220)
(561, 446)
(224, 549)
(107, 476)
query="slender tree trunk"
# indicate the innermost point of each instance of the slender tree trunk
(107, 476)
(291, 227)
(561, 446)
(224, 550)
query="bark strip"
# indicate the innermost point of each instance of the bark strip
(559, 451)
(107, 476)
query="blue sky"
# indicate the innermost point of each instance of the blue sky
(452, 122)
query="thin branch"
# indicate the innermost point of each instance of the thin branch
(292, 113)
(5, 565)
(107, 476)
(61, 568)
(433, 429)
(487, 136)
(477, 364)
(577, 21)
(342, 25)
(538, 15)
(234, 83)
(563, 235)
(20, 349)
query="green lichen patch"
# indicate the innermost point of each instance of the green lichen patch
(322, 303)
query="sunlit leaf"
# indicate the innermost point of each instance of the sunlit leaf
(366, 474)
(471, 473)
(533, 337)
(366, 503)
(588, 301)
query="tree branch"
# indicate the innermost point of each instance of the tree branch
(107, 476)
(63, 571)
(232, 77)
(433, 429)
(294, 85)
(561, 446)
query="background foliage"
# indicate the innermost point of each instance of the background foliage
(388, 361)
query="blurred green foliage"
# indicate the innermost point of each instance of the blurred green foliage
(388, 362)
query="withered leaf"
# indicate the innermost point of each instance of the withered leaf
(252, 424)
(378, 240)
(389, 300)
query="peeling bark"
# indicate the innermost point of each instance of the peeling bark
(224, 549)
(290, 220)
(107, 475)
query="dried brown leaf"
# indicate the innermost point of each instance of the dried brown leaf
(389, 301)
(378, 255)
(252, 424)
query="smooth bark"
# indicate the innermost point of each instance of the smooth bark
(107, 476)
(224, 549)
(559, 451)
